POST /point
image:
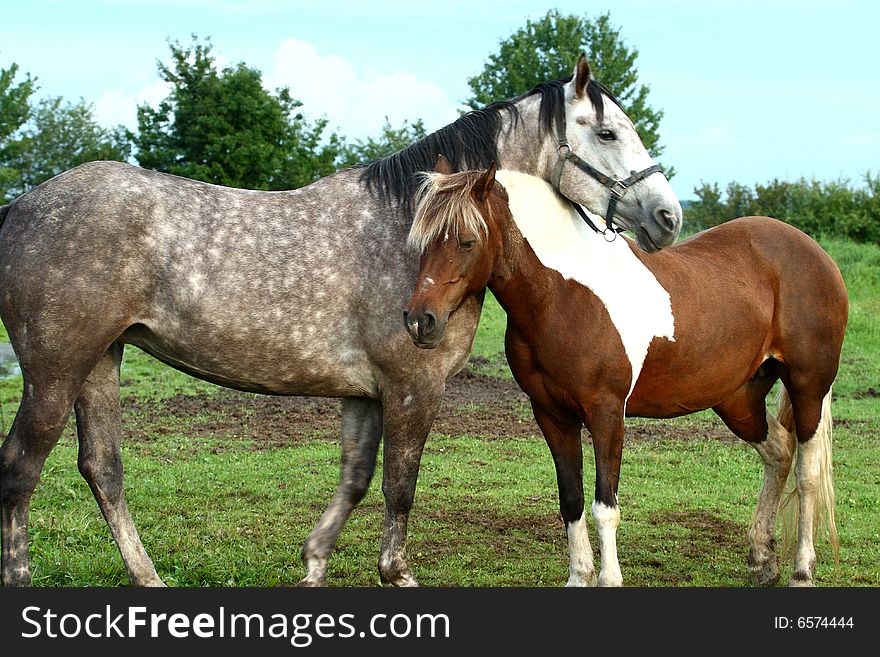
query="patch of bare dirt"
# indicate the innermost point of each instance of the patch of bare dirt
(870, 393)
(475, 404)
(705, 527)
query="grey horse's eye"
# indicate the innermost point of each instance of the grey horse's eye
(606, 135)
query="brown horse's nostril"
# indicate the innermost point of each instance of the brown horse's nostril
(420, 326)
(427, 327)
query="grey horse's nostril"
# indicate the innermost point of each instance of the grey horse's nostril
(666, 218)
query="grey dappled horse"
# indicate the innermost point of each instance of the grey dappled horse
(287, 293)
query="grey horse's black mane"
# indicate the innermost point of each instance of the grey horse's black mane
(470, 142)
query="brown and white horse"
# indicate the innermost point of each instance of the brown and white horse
(599, 330)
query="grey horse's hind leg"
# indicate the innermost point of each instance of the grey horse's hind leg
(409, 414)
(39, 422)
(360, 435)
(98, 423)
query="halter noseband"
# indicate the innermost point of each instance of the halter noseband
(617, 187)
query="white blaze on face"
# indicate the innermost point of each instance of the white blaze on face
(639, 307)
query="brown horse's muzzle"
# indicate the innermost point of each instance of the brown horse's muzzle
(424, 328)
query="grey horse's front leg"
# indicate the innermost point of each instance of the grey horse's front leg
(409, 414)
(360, 435)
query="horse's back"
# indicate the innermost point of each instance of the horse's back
(741, 292)
(805, 276)
(773, 247)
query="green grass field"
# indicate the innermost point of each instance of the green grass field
(213, 511)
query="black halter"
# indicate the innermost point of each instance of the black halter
(617, 187)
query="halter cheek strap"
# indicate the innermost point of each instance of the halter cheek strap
(617, 187)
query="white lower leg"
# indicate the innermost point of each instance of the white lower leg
(776, 453)
(607, 518)
(808, 471)
(581, 570)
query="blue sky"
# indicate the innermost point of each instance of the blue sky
(751, 90)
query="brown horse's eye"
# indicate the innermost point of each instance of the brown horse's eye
(466, 245)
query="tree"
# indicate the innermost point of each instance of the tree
(390, 141)
(40, 141)
(61, 135)
(14, 112)
(224, 127)
(547, 49)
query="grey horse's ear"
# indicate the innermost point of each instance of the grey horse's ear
(486, 182)
(581, 76)
(442, 165)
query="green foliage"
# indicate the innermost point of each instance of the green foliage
(818, 208)
(14, 99)
(40, 141)
(224, 127)
(14, 112)
(548, 48)
(61, 135)
(390, 141)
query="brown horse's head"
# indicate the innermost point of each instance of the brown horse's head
(458, 247)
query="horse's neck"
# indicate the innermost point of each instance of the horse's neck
(522, 144)
(543, 239)
(519, 280)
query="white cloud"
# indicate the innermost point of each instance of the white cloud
(356, 103)
(115, 107)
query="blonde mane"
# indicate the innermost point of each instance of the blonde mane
(444, 207)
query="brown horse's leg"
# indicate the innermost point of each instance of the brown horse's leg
(408, 413)
(605, 422)
(98, 424)
(745, 413)
(564, 440)
(39, 422)
(360, 435)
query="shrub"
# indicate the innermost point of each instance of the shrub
(817, 208)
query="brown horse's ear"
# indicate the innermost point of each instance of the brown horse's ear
(486, 182)
(581, 76)
(442, 165)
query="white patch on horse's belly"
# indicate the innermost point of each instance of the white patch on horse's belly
(639, 307)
